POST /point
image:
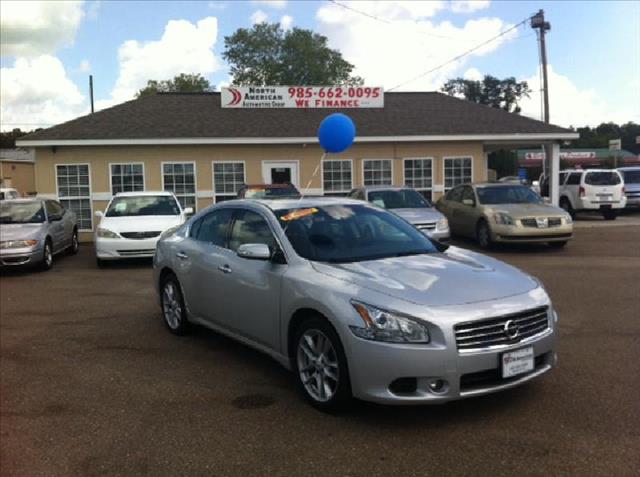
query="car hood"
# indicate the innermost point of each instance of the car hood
(20, 231)
(418, 216)
(455, 277)
(527, 210)
(143, 223)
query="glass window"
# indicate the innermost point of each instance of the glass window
(142, 205)
(467, 194)
(398, 199)
(457, 170)
(377, 172)
(574, 179)
(213, 227)
(350, 233)
(250, 227)
(21, 212)
(336, 177)
(631, 176)
(228, 178)
(74, 192)
(515, 194)
(602, 178)
(454, 195)
(127, 178)
(180, 178)
(53, 208)
(418, 174)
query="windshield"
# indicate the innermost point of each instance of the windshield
(21, 213)
(603, 178)
(350, 233)
(507, 195)
(143, 205)
(265, 193)
(631, 177)
(398, 199)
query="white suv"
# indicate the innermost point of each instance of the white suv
(591, 190)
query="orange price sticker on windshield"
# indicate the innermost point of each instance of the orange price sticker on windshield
(298, 214)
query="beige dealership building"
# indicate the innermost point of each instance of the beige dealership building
(189, 144)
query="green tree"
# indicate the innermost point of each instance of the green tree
(183, 83)
(497, 93)
(268, 55)
(600, 136)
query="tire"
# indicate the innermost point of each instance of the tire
(609, 214)
(483, 235)
(320, 365)
(47, 256)
(75, 244)
(566, 205)
(558, 244)
(172, 305)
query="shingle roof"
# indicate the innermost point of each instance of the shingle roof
(200, 115)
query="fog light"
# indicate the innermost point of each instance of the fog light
(438, 385)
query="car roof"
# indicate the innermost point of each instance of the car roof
(588, 170)
(629, 168)
(382, 187)
(24, 200)
(280, 204)
(495, 184)
(269, 186)
(136, 194)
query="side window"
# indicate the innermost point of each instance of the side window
(563, 176)
(455, 194)
(467, 193)
(250, 227)
(213, 227)
(51, 208)
(574, 179)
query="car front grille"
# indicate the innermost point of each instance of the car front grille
(129, 253)
(532, 222)
(139, 235)
(426, 226)
(503, 330)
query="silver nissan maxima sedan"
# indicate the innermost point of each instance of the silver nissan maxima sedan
(356, 301)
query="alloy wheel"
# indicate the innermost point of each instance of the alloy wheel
(171, 305)
(318, 365)
(483, 235)
(48, 256)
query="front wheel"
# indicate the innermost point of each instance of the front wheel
(173, 309)
(47, 256)
(75, 243)
(483, 235)
(320, 365)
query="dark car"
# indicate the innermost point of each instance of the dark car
(268, 191)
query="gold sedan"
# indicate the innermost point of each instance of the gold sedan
(504, 212)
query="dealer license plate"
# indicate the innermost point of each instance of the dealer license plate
(517, 362)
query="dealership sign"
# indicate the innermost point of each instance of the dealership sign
(302, 97)
(536, 156)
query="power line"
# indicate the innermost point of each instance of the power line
(462, 55)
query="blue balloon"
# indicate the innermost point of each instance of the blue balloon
(336, 132)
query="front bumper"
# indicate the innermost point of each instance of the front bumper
(20, 256)
(633, 199)
(375, 366)
(522, 234)
(118, 249)
(443, 235)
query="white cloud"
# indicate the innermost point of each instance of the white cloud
(36, 92)
(35, 28)
(183, 48)
(258, 17)
(410, 44)
(278, 4)
(286, 22)
(571, 106)
(218, 5)
(85, 66)
(469, 6)
(473, 74)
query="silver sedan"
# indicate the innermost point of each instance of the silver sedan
(356, 301)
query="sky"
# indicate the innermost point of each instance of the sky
(49, 49)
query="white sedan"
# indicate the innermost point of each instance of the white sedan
(133, 222)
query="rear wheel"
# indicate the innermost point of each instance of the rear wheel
(173, 309)
(566, 205)
(320, 365)
(75, 244)
(609, 214)
(483, 234)
(47, 256)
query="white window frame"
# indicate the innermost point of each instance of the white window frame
(376, 160)
(213, 178)
(195, 181)
(89, 197)
(111, 164)
(444, 171)
(346, 192)
(404, 174)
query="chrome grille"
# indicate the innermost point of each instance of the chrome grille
(426, 226)
(532, 222)
(139, 235)
(127, 253)
(481, 334)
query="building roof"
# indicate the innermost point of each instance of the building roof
(199, 118)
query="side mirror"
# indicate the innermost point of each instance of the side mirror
(254, 251)
(469, 202)
(99, 214)
(188, 211)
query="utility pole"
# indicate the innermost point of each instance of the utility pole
(537, 22)
(91, 91)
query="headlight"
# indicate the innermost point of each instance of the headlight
(442, 224)
(380, 325)
(568, 220)
(18, 243)
(106, 233)
(503, 219)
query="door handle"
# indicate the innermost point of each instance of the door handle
(224, 268)
(182, 255)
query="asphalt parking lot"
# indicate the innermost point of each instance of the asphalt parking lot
(93, 384)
